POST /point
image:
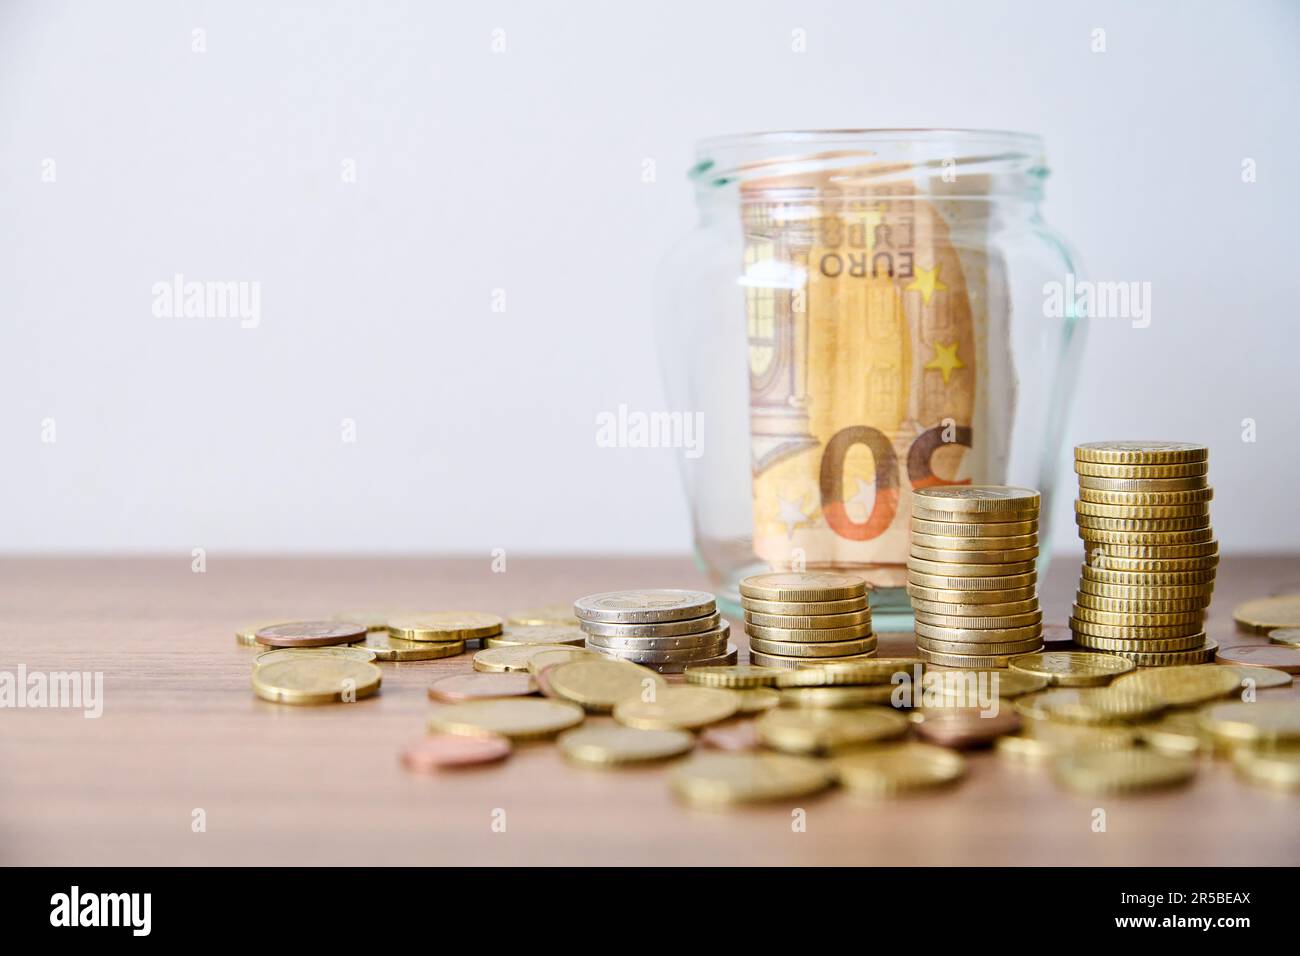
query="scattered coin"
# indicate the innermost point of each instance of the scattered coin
(1042, 741)
(1277, 656)
(962, 727)
(843, 695)
(677, 708)
(1263, 615)
(442, 751)
(293, 653)
(1106, 705)
(388, 648)
(1260, 723)
(519, 718)
(310, 634)
(540, 660)
(1183, 686)
(896, 768)
(879, 670)
(805, 731)
(1261, 678)
(1121, 771)
(1289, 636)
(610, 746)
(370, 620)
(755, 700)
(318, 679)
(597, 685)
(445, 626)
(547, 614)
(497, 659)
(713, 780)
(247, 636)
(477, 686)
(516, 635)
(1073, 668)
(734, 735)
(734, 676)
(1178, 733)
(1277, 770)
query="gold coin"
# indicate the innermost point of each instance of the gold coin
(1178, 733)
(798, 608)
(1259, 678)
(1138, 592)
(939, 597)
(445, 626)
(370, 620)
(1149, 513)
(1263, 615)
(294, 653)
(1105, 705)
(941, 516)
(783, 662)
(1099, 602)
(1289, 636)
(721, 779)
(854, 620)
(996, 649)
(1180, 686)
(808, 635)
(677, 708)
(505, 659)
(978, 635)
(821, 649)
(388, 648)
(979, 623)
(1073, 668)
(1200, 655)
(809, 587)
(976, 498)
(804, 731)
(1117, 645)
(878, 670)
(755, 700)
(943, 542)
(736, 676)
(971, 661)
(1042, 741)
(1015, 556)
(1123, 544)
(612, 746)
(999, 531)
(1140, 619)
(599, 685)
(1277, 770)
(1003, 585)
(1115, 562)
(946, 686)
(1126, 498)
(849, 695)
(516, 636)
(1144, 531)
(1133, 631)
(1140, 452)
(519, 718)
(1141, 484)
(888, 770)
(1191, 469)
(318, 679)
(557, 614)
(1150, 578)
(1255, 724)
(1121, 771)
(946, 569)
(540, 660)
(976, 611)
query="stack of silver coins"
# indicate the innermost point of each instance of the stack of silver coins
(664, 629)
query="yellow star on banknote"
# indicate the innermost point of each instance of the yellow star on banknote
(927, 283)
(945, 360)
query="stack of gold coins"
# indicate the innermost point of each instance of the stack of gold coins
(664, 629)
(971, 577)
(1149, 551)
(796, 620)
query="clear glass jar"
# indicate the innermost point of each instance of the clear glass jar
(859, 313)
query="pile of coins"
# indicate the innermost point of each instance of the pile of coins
(1150, 555)
(796, 619)
(971, 577)
(663, 629)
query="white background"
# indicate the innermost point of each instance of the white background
(522, 171)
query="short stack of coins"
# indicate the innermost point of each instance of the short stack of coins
(1149, 551)
(664, 629)
(971, 574)
(796, 620)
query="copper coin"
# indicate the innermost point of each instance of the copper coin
(967, 726)
(1277, 656)
(453, 750)
(310, 634)
(734, 735)
(477, 685)
(1057, 634)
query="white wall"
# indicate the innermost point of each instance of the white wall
(522, 171)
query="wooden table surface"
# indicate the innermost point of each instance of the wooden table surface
(181, 730)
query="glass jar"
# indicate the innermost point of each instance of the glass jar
(859, 313)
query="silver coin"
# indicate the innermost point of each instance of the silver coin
(677, 667)
(690, 655)
(644, 607)
(692, 625)
(704, 639)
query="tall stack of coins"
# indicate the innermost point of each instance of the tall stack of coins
(1149, 551)
(798, 619)
(663, 629)
(971, 574)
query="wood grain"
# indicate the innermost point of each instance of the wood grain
(281, 785)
